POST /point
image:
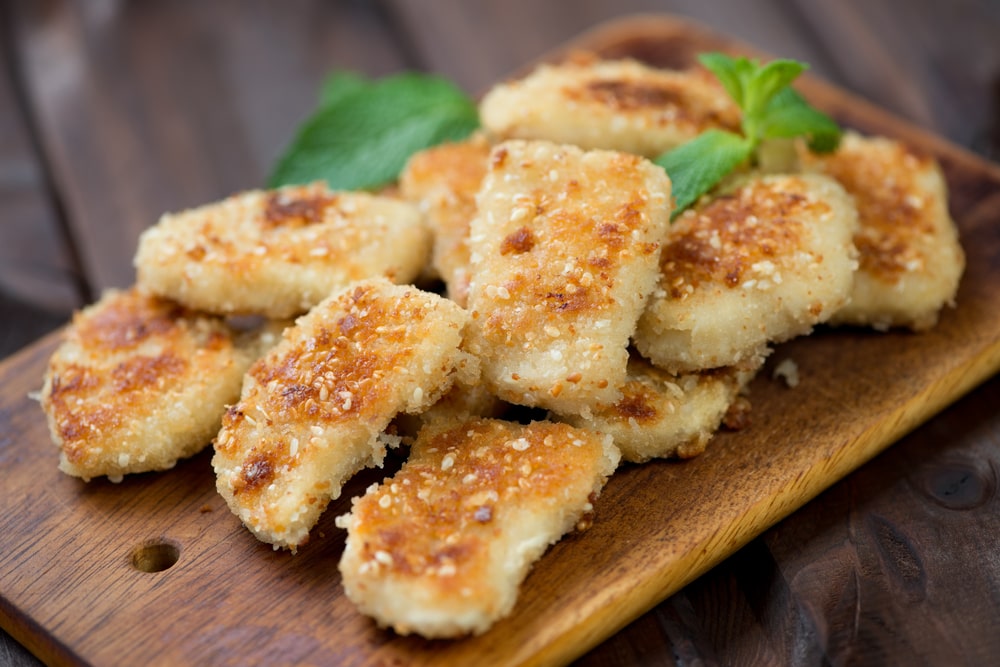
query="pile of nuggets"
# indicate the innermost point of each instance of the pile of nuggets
(566, 291)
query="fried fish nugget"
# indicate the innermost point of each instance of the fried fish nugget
(564, 256)
(441, 548)
(616, 104)
(138, 383)
(444, 181)
(762, 263)
(663, 415)
(278, 253)
(910, 257)
(313, 409)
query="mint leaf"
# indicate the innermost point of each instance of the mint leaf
(752, 85)
(731, 72)
(766, 81)
(363, 137)
(790, 115)
(771, 109)
(696, 166)
(340, 85)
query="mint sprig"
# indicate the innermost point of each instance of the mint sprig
(770, 108)
(697, 165)
(789, 115)
(364, 131)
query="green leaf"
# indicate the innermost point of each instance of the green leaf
(696, 166)
(340, 85)
(790, 115)
(731, 72)
(766, 81)
(770, 108)
(365, 135)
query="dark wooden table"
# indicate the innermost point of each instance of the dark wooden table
(112, 113)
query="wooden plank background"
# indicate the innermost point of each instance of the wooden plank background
(114, 112)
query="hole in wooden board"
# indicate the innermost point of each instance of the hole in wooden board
(155, 555)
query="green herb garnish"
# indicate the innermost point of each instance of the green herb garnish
(364, 131)
(340, 85)
(770, 110)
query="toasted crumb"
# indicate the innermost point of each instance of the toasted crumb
(663, 415)
(444, 181)
(615, 104)
(441, 548)
(788, 371)
(564, 255)
(138, 383)
(910, 257)
(760, 264)
(278, 253)
(313, 410)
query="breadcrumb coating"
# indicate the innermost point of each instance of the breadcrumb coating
(610, 104)
(442, 547)
(444, 181)
(313, 410)
(140, 382)
(564, 256)
(663, 415)
(278, 253)
(463, 401)
(910, 258)
(760, 264)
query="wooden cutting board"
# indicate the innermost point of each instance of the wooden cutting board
(73, 556)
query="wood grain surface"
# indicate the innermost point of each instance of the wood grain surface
(73, 589)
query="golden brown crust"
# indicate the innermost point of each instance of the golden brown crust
(138, 383)
(312, 410)
(278, 253)
(910, 258)
(721, 241)
(441, 548)
(761, 263)
(444, 180)
(609, 104)
(565, 250)
(892, 208)
(666, 415)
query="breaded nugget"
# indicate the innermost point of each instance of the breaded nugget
(910, 258)
(278, 253)
(441, 548)
(444, 181)
(138, 383)
(762, 263)
(662, 415)
(618, 105)
(313, 409)
(564, 255)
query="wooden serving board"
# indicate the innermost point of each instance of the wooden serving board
(71, 591)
